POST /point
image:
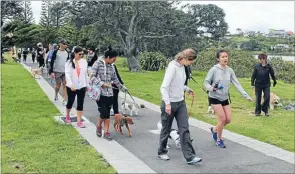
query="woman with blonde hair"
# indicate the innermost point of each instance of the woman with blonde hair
(173, 105)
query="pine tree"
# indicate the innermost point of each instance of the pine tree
(59, 14)
(28, 13)
(45, 18)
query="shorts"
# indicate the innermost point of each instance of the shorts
(214, 101)
(104, 106)
(59, 77)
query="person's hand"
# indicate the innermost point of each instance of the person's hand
(168, 109)
(52, 75)
(191, 92)
(107, 85)
(274, 83)
(250, 99)
(124, 89)
(73, 88)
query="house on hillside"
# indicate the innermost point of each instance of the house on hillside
(282, 47)
(277, 33)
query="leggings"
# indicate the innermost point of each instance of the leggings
(115, 101)
(80, 98)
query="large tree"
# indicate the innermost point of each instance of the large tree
(27, 15)
(59, 13)
(10, 10)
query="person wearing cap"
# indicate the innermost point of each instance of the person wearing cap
(57, 69)
(260, 81)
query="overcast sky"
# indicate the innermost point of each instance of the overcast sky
(247, 15)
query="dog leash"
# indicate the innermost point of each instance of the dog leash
(193, 100)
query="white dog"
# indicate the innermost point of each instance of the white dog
(210, 110)
(134, 107)
(174, 135)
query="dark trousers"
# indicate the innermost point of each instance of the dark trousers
(179, 112)
(80, 98)
(265, 104)
(115, 101)
(41, 62)
(25, 57)
(33, 58)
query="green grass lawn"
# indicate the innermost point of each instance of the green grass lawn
(32, 139)
(278, 129)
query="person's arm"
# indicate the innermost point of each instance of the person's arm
(86, 76)
(93, 75)
(169, 74)
(68, 73)
(209, 78)
(237, 84)
(52, 61)
(272, 74)
(253, 77)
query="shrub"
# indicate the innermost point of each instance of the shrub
(243, 62)
(152, 61)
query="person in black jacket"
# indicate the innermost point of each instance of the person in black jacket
(91, 57)
(261, 82)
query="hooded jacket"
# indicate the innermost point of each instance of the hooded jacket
(223, 78)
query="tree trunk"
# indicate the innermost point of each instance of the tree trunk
(132, 60)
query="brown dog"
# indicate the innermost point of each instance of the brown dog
(123, 120)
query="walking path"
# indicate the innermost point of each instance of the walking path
(139, 153)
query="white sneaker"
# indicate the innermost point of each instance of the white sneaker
(64, 103)
(164, 157)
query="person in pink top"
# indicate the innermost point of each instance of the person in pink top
(76, 84)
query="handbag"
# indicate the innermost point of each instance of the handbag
(94, 91)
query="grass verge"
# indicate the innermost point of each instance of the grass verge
(31, 140)
(278, 129)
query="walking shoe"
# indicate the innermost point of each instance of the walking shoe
(267, 114)
(64, 102)
(214, 134)
(81, 124)
(107, 136)
(98, 131)
(68, 119)
(164, 157)
(55, 99)
(194, 160)
(220, 144)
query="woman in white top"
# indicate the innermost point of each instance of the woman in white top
(77, 81)
(173, 105)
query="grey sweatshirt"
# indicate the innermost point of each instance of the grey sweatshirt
(172, 88)
(60, 61)
(226, 76)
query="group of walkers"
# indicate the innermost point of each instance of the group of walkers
(75, 74)
(217, 83)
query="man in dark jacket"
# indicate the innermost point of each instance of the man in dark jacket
(261, 82)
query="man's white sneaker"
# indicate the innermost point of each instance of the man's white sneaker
(164, 157)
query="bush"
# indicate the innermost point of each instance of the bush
(243, 63)
(152, 61)
(240, 61)
(284, 70)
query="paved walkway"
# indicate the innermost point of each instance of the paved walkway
(141, 149)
